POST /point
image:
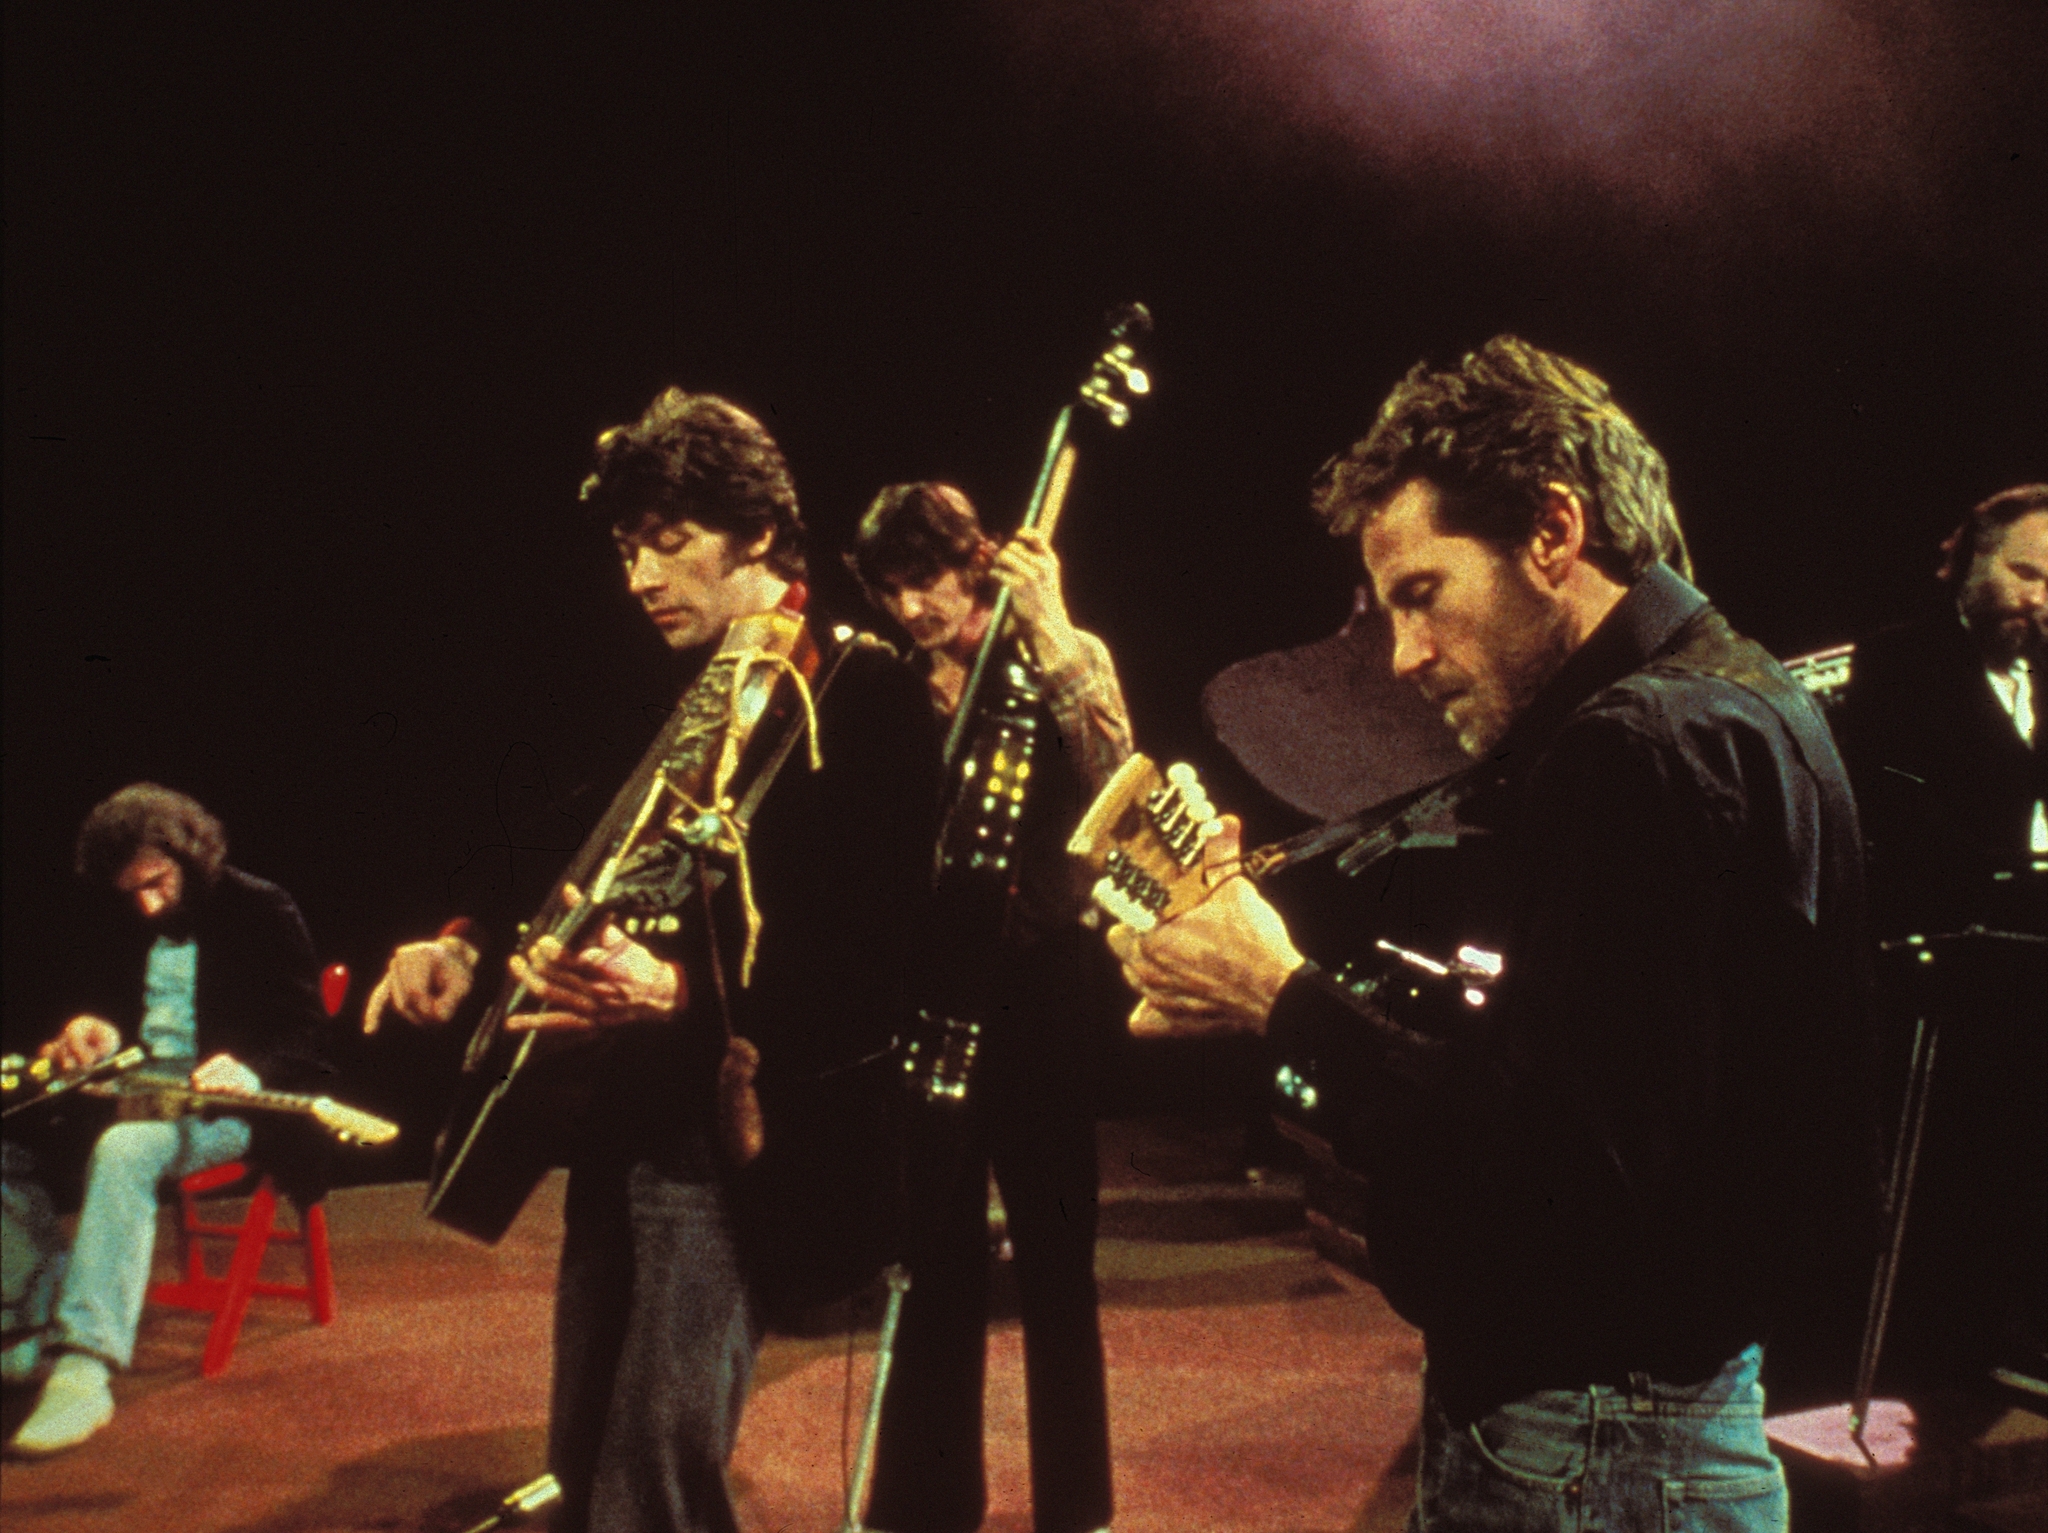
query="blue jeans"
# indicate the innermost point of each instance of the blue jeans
(654, 1344)
(31, 1262)
(104, 1286)
(1650, 1458)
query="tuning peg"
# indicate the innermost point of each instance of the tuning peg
(1130, 319)
(1101, 393)
(1125, 361)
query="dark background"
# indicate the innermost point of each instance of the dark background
(311, 316)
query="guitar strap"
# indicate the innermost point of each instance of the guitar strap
(743, 815)
(742, 1128)
(801, 720)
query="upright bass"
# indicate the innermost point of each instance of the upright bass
(990, 746)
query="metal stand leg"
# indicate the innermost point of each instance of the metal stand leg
(898, 1279)
(1898, 1197)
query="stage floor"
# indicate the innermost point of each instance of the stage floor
(1254, 1388)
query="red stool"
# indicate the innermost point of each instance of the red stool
(227, 1298)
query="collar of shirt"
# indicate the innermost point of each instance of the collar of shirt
(2015, 691)
(1642, 624)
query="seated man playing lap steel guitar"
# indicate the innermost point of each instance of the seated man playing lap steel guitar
(218, 969)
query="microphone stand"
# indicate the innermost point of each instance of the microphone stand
(534, 1496)
(1906, 1162)
(898, 1279)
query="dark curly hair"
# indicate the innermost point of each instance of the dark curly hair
(1491, 434)
(144, 814)
(703, 458)
(1984, 529)
(911, 534)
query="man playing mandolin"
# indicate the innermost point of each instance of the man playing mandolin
(217, 970)
(681, 1228)
(1008, 953)
(1593, 1191)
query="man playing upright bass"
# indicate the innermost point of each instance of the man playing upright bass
(1015, 962)
(811, 868)
(1592, 1191)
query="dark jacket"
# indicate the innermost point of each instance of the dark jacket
(257, 998)
(1945, 785)
(839, 861)
(1619, 1164)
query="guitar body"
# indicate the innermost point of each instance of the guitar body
(523, 1098)
(511, 1122)
(150, 1095)
(978, 843)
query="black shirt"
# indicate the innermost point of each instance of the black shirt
(1614, 1166)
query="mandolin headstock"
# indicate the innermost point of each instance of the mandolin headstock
(1143, 838)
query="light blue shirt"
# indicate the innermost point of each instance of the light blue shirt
(170, 1024)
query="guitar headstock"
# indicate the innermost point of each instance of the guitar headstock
(1143, 838)
(351, 1125)
(1116, 377)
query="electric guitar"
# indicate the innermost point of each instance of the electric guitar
(1145, 838)
(174, 1096)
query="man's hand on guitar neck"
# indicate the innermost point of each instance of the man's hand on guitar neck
(1217, 968)
(1031, 570)
(611, 982)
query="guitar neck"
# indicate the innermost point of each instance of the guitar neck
(345, 1122)
(262, 1101)
(1047, 498)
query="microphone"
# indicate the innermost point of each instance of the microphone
(534, 1496)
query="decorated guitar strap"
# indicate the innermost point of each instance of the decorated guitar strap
(741, 1127)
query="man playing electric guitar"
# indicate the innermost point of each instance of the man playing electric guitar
(672, 1246)
(1009, 953)
(218, 970)
(1597, 1192)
